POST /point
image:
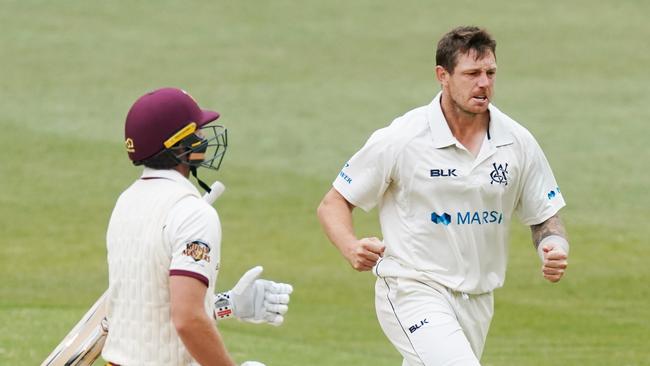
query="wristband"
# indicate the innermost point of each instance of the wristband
(222, 305)
(556, 239)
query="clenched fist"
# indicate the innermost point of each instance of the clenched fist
(364, 253)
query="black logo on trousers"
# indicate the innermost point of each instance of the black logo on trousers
(415, 327)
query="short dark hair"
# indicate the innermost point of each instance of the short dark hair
(461, 40)
(165, 159)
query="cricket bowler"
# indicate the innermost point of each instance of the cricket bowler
(447, 179)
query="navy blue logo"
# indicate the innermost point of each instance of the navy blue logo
(444, 219)
(443, 173)
(415, 327)
(500, 174)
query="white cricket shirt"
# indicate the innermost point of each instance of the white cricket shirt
(160, 227)
(193, 231)
(444, 213)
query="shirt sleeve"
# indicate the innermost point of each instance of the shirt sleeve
(540, 196)
(366, 176)
(193, 231)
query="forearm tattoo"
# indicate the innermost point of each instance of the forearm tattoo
(552, 226)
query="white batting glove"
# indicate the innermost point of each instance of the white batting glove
(252, 363)
(216, 189)
(259, 301)
(254, 300)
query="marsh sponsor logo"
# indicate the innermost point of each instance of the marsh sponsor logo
(443, 218)
(479, 218)
(553, 193)
(468, 218)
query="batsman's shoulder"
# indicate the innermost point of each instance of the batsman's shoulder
(204, 207)
(196, 207)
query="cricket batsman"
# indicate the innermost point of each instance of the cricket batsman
(164, 241)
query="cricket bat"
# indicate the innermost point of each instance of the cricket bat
(83, 345)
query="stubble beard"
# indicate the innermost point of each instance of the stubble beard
(463, 110)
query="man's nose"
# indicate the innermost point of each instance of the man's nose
(483, 80)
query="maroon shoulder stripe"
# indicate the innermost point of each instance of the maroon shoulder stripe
(180, 272)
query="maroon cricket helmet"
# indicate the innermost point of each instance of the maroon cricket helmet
(157, 116)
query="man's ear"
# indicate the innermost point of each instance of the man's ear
(441, 74)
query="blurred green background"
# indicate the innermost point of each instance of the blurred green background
(301, 85)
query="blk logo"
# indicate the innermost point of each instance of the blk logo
(443, 173)
(444, 219)
(419, 325)
(500, 174)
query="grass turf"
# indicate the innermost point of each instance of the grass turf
(301, 85)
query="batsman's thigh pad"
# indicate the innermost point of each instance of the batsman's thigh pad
(421, 323)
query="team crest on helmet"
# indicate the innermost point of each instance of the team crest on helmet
(197, 250)
(130, 146)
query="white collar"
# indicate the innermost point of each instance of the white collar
(442, 137)
(171, 174)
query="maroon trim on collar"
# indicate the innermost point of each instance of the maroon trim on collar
(148, 178)
(198, 276)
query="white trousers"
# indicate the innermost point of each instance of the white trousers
(431, 325)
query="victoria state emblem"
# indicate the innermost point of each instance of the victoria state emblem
(500, 174)
(198, 250)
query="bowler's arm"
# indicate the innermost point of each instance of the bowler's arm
(335, 216)
(552, 245)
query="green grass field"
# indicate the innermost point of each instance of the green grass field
(301, 85)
